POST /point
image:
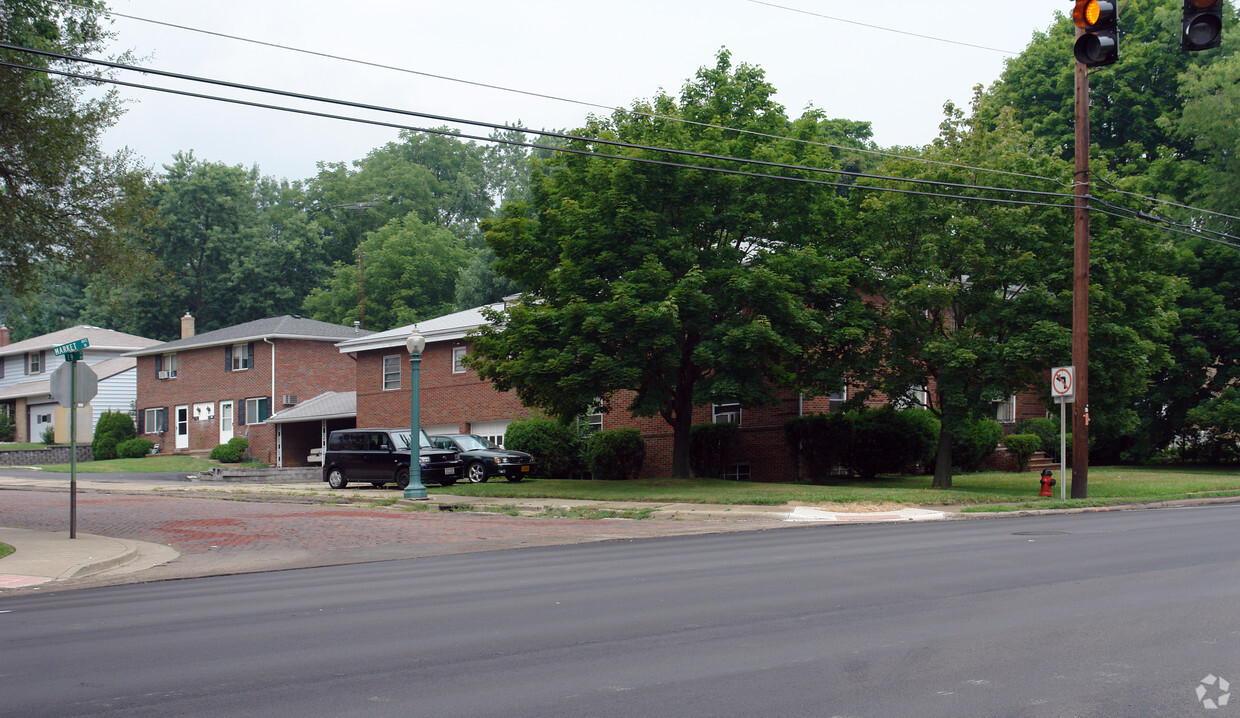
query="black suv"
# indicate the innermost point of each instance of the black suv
(381, 456)
(483, 459)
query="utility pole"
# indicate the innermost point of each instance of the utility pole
(1080, 287)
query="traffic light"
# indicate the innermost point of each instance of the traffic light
(1099, 44)
(1203, 24)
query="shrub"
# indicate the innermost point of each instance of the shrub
(8, 427)
(616, 455)
(1023, 447)
(711, 448)
(926, 425)
(48, 436)
(555, 446)
(886, 441)
(134, 448)
(974, 441)
(1215, 429)
(113, 428)
(229, 453)
(1047, 431)
(821, 440)
(240, 442)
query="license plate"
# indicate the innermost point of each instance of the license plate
(449, 471)
(525, 468)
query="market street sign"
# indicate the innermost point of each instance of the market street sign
(77, 346)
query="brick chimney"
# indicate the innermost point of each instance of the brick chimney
(187, 326)
(4, 335)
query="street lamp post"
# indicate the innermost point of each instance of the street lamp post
(415, 490)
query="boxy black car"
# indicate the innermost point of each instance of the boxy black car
(484, 459)
(381, 456)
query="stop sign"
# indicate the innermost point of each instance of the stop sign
(62, 378)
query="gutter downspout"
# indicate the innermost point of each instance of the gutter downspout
(280, 451)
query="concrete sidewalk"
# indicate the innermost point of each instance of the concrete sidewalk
(42, 556)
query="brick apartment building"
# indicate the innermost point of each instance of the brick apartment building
(203, 389)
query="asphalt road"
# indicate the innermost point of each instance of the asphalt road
(1113, 614)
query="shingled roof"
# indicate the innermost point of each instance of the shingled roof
(282, 327)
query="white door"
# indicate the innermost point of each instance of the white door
(226, 421)
(182, 427)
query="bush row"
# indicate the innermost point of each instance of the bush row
(232, 452)
(570, 450)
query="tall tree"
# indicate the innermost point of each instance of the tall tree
(669, 286)
(61, 198)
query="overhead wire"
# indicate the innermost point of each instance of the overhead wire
(583, 103)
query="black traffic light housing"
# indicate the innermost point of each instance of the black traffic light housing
(1203, 24)
(1099, 44)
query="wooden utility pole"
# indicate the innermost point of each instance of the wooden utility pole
(1080, 289)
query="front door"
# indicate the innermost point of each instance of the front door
(182, 427)
(226, 421)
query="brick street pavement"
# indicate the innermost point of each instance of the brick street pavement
(218, 536)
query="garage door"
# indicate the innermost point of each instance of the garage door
(433, 429)
(493, 430)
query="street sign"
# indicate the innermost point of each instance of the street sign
(1063, 383)
(62, 384)
(77, 346)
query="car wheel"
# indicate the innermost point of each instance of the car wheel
(336, 479)
(476, 473)
(402, 479)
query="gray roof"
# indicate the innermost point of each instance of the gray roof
(99, 339)
(443, 328)
(328, 405)
(283, 327)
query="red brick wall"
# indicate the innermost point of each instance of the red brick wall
(303, 368)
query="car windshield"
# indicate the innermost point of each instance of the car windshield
(402, 440)
(471, 442)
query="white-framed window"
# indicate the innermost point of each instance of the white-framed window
(34, 362)
(257, 410)
(241, 359)
(458, 360)
(916, 397)
(729, 413)
(43, 419)
(155, 421)
(204, 412)
(1005, 411)
(391, 372)
(168, 366)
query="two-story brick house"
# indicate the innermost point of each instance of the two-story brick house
(203, 389)
(26, 368)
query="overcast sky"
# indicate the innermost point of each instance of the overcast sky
(594, 53)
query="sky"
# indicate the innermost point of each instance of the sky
(816, 53)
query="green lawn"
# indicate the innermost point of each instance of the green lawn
(998, 491)
(5, 550)
(22, 447)
(145, 465)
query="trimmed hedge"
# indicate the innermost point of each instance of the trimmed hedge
(1047, 431)
(134, 448)
(886, 441)
(555, 446)
(616, 455)
(232, 452)
(974, 441)
(1023, 447)
(711, 448)
(113, 428)
(821, 440)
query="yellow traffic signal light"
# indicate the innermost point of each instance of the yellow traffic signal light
(1099, 44)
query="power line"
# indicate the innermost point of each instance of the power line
(1152, 200)
(496, 126)
(583, 103)
(561, 149)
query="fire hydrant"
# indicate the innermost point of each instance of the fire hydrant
(1047, 483)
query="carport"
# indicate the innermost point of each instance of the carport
(301, 430)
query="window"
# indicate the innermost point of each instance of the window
(391, 372)
(1005, 411)
(836, 398)
(168, 366)
(458, 360)
(240, 357)
(43, 419)
(257, 410)
(727, 413)
(155, 421)
(34, 362)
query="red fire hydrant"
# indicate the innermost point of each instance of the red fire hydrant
(1047, 483)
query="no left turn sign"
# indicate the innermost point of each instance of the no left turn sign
(1063, 383)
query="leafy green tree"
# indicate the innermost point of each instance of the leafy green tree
(62, 200)
(675, 287)
(409, 274)
(479, 283)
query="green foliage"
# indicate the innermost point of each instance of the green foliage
(1047, 431)
(974, 440)
(1215, 430)
(821, 440)
(227, 453)
(134, 448)
(677, 287)
(711, 447)
(615, 455)
(553, 444)
(112, 428)
(8, 427)
(886, 441)
(48, 437)
(1023, 447)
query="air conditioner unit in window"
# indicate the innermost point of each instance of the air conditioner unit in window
(290, 399)
(162, 375)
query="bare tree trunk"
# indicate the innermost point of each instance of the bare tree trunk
(943, 459)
